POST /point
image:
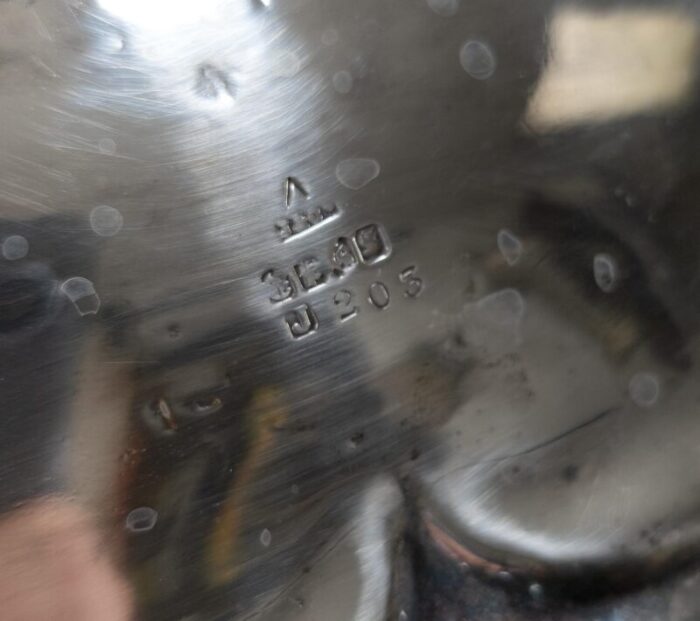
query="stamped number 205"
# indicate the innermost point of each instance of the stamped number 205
(303, 321)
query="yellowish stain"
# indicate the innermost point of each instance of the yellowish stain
(265, 413)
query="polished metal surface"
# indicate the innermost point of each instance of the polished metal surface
(349, 311)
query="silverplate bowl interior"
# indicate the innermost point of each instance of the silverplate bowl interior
(352, 311)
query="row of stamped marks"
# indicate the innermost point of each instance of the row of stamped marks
(365, 247)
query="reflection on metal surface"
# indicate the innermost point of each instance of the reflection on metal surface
(301, 320)
(611, 63)
(161, 14)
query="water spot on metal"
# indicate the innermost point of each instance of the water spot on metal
(478, 60)
(444, 8)
(644, 389)
(504, 307)
(342, 82)
(141, 520)
(107, 146)
(82, 293)
(15, 247)
(605, 272)
(106, 221)
(356, 173)
(510, 246)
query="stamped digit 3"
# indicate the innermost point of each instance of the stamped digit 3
(282, 286)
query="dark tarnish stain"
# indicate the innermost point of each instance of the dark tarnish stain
(570, 473)
(357, 438)
(575, 238)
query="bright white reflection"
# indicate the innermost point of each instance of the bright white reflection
(608, 64)
(161, 14)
